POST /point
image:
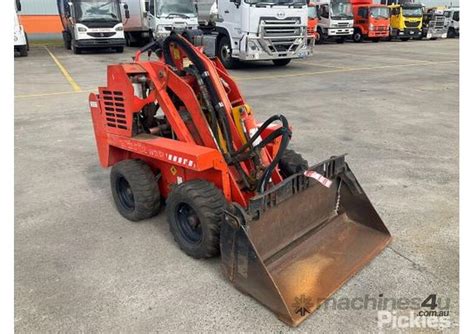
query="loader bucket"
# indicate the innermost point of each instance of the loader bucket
(301, 241)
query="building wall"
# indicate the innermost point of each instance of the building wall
(40, 19)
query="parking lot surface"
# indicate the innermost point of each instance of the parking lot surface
(80, 266)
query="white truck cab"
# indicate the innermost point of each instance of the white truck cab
(20, 39)
(165, 16)
(336, 20)
(452, 16)
(92, 24)
(259, 30)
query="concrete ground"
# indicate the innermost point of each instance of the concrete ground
(80, 266)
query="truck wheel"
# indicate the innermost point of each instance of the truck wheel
(357, 37)
(375, 40)
(451, 33)
(135, 190)
(119, 49)
(292, 163)
(67, 40)
(281, 62)
(75, 49)
(195, 211)
(225, 53)
(319, 37)
(340, 40)
(23, 50)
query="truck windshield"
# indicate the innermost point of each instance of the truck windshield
(97, 10)
(181, 8)
(380, 12)
(312, 13)
(277, 2)
(341, 10)
(412, 12)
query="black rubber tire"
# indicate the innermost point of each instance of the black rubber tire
(119, 49)
(375, 40)
(340, 40)
(23, 50)
(75, 49)
(451, 33)
(222, 50)
(357, 37)
(206, 204)
(404, 39)
(281, 62)
(67, 40)
(321, 38)
(292, 163)
(135, 178)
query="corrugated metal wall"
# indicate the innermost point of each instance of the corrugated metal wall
(38, 7)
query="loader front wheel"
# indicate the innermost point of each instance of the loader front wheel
(195, 211)
(292, 163)
(135, 190)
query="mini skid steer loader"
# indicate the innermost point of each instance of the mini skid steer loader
(178, 128)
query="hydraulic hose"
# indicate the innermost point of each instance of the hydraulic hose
(218, 107)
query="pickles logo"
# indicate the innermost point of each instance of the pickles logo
(302, 305)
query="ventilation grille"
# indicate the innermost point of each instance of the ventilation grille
(114, 107)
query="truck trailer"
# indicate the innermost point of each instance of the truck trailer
(371, 21)
(155, 19)
(92, 24)
(335, 20)
(257, 30)
(20, 38)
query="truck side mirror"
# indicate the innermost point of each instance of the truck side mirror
(237, 3)
(127, 12)
(147, 6)
(18, 5)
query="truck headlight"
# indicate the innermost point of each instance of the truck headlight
(119, 28)
(371, 26)
(81, 29)
(253, 46)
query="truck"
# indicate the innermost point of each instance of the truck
(335, 20)
(155, 19)
(406, 18)
(371, 21)
(257, 30)
(20, 38)
(92, 24)
(434, 24)
(313, 35)
(452, 16)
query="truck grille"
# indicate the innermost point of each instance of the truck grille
(281, 35)
(439, 21)
(409, 24)
(101, 34)
(343, 24)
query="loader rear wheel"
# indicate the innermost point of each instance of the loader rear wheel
(195, 211)
(135, 190)
(292, 163)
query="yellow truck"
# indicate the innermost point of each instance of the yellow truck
(406, 21)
